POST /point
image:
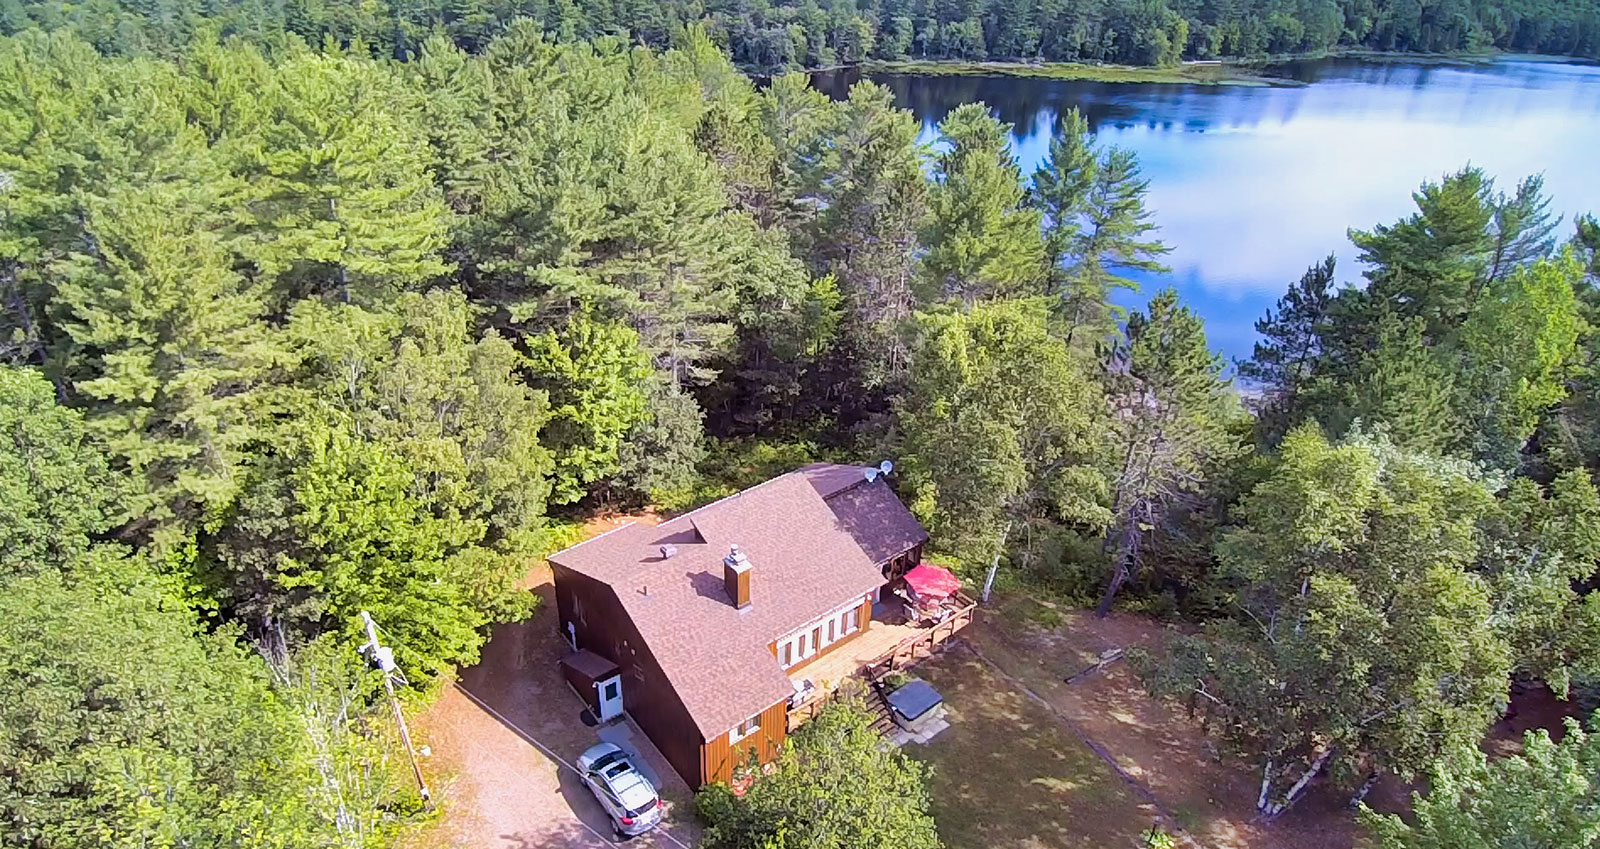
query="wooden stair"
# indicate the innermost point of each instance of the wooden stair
(882, 714)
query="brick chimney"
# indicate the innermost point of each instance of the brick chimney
(736, 577)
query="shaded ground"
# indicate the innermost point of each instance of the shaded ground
(1155, 744)
(1007, 773)
(502, 737)
(1531, 707)
(1211, 796)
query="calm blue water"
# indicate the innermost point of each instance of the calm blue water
(1251, 185)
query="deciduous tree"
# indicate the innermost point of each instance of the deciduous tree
(836, 786)
(1545, 797)
(1362, 641)
(57, 490)
(1001, 425)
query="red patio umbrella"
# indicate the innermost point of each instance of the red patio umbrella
(930, 581)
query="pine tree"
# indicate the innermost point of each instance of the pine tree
(1400, 385)
(850, 177)
(1429, 264)
(982, 240)
(1522, 228)
(172, 356)
(1061, 188)
(1112, 241)
(1175, 418)
(1290, 350)
(339, 199)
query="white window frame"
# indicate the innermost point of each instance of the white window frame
(745, 729)
(845, 620)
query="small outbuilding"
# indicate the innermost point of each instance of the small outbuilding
(597, 681)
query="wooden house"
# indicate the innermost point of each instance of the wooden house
(695, 627)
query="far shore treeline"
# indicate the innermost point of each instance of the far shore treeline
(292, 329)
(778, 35)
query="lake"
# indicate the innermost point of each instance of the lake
(1252, 185)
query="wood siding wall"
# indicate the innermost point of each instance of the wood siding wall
(583, 685)
(719, 758)
(604, 628)
(863, 616)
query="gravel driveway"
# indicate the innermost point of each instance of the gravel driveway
(509, 730)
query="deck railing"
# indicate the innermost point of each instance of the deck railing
(923, 644)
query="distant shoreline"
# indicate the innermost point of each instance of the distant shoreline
(1220, 72)
(1189, 73)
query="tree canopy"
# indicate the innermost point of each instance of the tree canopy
(835, 786)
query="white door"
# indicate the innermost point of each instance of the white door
(610, 690)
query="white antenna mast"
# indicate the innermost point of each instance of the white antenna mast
(383, 657)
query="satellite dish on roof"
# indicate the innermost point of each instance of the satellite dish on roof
(886, 466)
(872, 475)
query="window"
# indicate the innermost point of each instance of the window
(611, 690)
(818, 635)
(746, 728)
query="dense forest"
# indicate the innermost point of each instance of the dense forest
(292, 333)
(779, 35)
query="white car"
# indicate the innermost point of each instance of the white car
(628, 797)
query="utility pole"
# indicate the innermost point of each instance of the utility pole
(383, 657)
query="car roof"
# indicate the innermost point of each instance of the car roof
(631, 789)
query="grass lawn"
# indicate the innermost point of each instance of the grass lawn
(1007, 773)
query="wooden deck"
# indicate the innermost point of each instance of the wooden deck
(888, 643)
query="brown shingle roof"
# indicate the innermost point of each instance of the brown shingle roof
(805, 563)
(589, 665)
(867, 509)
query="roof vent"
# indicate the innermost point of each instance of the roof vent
(668, 550)
(736, 577)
